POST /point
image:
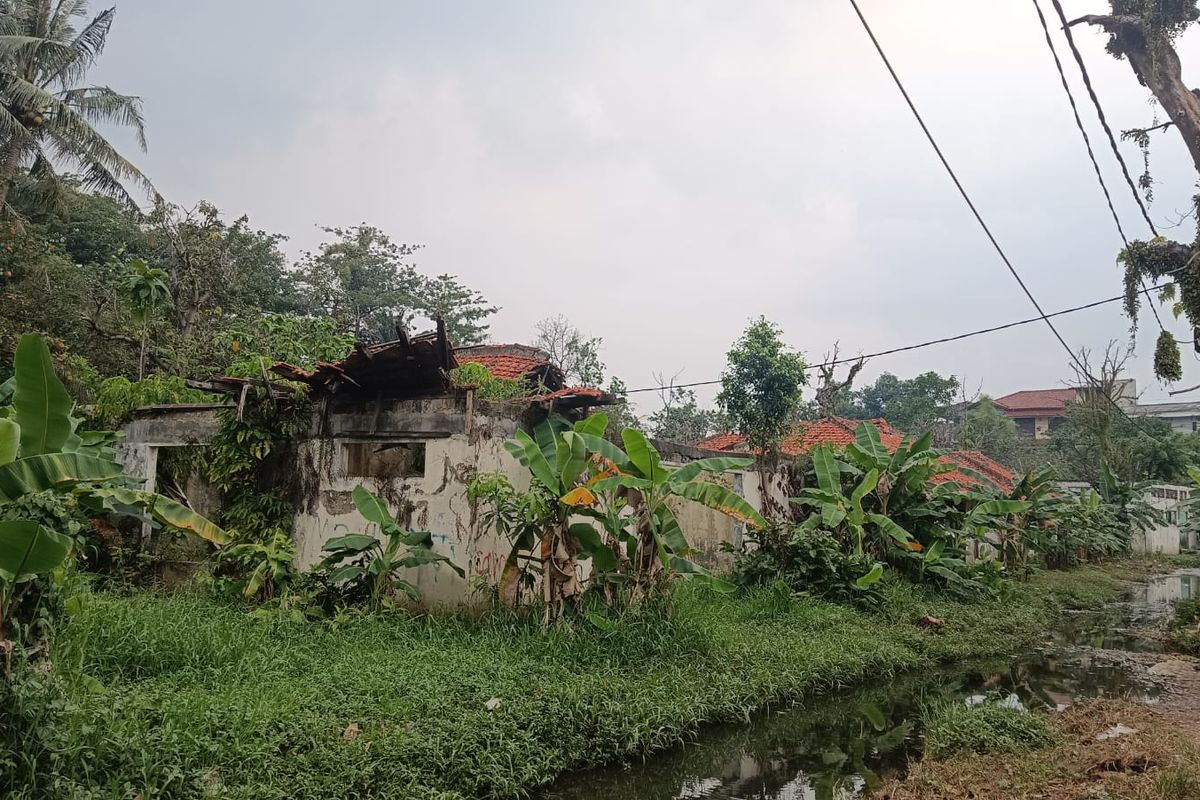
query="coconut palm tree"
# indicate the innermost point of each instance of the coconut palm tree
(47, 111)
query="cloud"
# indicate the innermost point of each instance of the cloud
(662, 172)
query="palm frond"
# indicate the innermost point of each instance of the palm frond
(101, 166)
(101, 104)
(85, 48)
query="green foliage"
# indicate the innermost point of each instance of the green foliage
(257, 570)
(989, 727)
(1086, 529)
(486, 386)
(631, 535)
(1184, 628)
(52, 108)
(43, 454)
(270, 700)
(365, 281)
(260, 342)
(985, 429)
(362, 568)
(760, 387)
(809, 562)
(119, 397)
(912, 404)
(682, 420)
(1167, 365)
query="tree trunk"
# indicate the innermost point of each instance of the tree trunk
(1159, 70)
(8, 170)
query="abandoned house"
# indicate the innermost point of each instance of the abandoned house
(388, 417)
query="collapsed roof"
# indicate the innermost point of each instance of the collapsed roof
(420, 365)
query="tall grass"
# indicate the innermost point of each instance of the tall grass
(180, 697)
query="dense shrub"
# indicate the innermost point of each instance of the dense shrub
(807, 561)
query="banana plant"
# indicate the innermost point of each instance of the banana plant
(41, 451)
(651, 538)
(556, 456)
(363, 560)
(835, 510)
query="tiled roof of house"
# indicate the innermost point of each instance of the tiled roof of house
(831, 430)
(991, 469)
(507, 367)
(513, 362)
(839, 432)
(1036, 402)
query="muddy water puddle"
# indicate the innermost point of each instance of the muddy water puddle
(837, 746)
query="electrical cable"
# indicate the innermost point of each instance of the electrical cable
(918, 346)
(1087, 82)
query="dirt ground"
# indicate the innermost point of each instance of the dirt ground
(1158, 760)
(1155, 756)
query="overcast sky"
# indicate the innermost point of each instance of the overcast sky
(661, 172)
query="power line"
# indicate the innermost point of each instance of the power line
(1112, 141)
(1087, 142)
(1083, 370)
(918, 346)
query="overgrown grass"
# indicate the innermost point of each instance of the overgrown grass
(953, 727)
(198, 698)
(1184, 631)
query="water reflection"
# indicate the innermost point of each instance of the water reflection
(834, 748)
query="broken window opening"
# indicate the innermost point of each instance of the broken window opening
(385, 460)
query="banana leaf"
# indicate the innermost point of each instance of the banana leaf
(605, 448)
(591, 545)
(27, 549)
(889, 526)
(373, 509)
(692, 469)
(41, 405)
(695, 572)
(865, 487)
(595, 425)
(420, 556)
(351, 543)
(721, 499)
(829, 474)
(571, 458)
(872, 577)
(41, 472)
(622, 481)
(10, 440)
(532, 456)
(643, 455)
(163, 510)
(866, 436)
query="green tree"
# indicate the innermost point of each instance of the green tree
(463, 310)
(367, 282)
(985, 429)
(761, 384)
(913, 405)
(47, 112)
(147, 293)
(362, 279)
(682, 420)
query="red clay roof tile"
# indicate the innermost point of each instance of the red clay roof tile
(1042, 402)
(840, 432)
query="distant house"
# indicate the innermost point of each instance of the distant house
(1184, 417)
(1036, 411)
(838, 431)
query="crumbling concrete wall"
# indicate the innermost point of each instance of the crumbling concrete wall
(446, 444)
